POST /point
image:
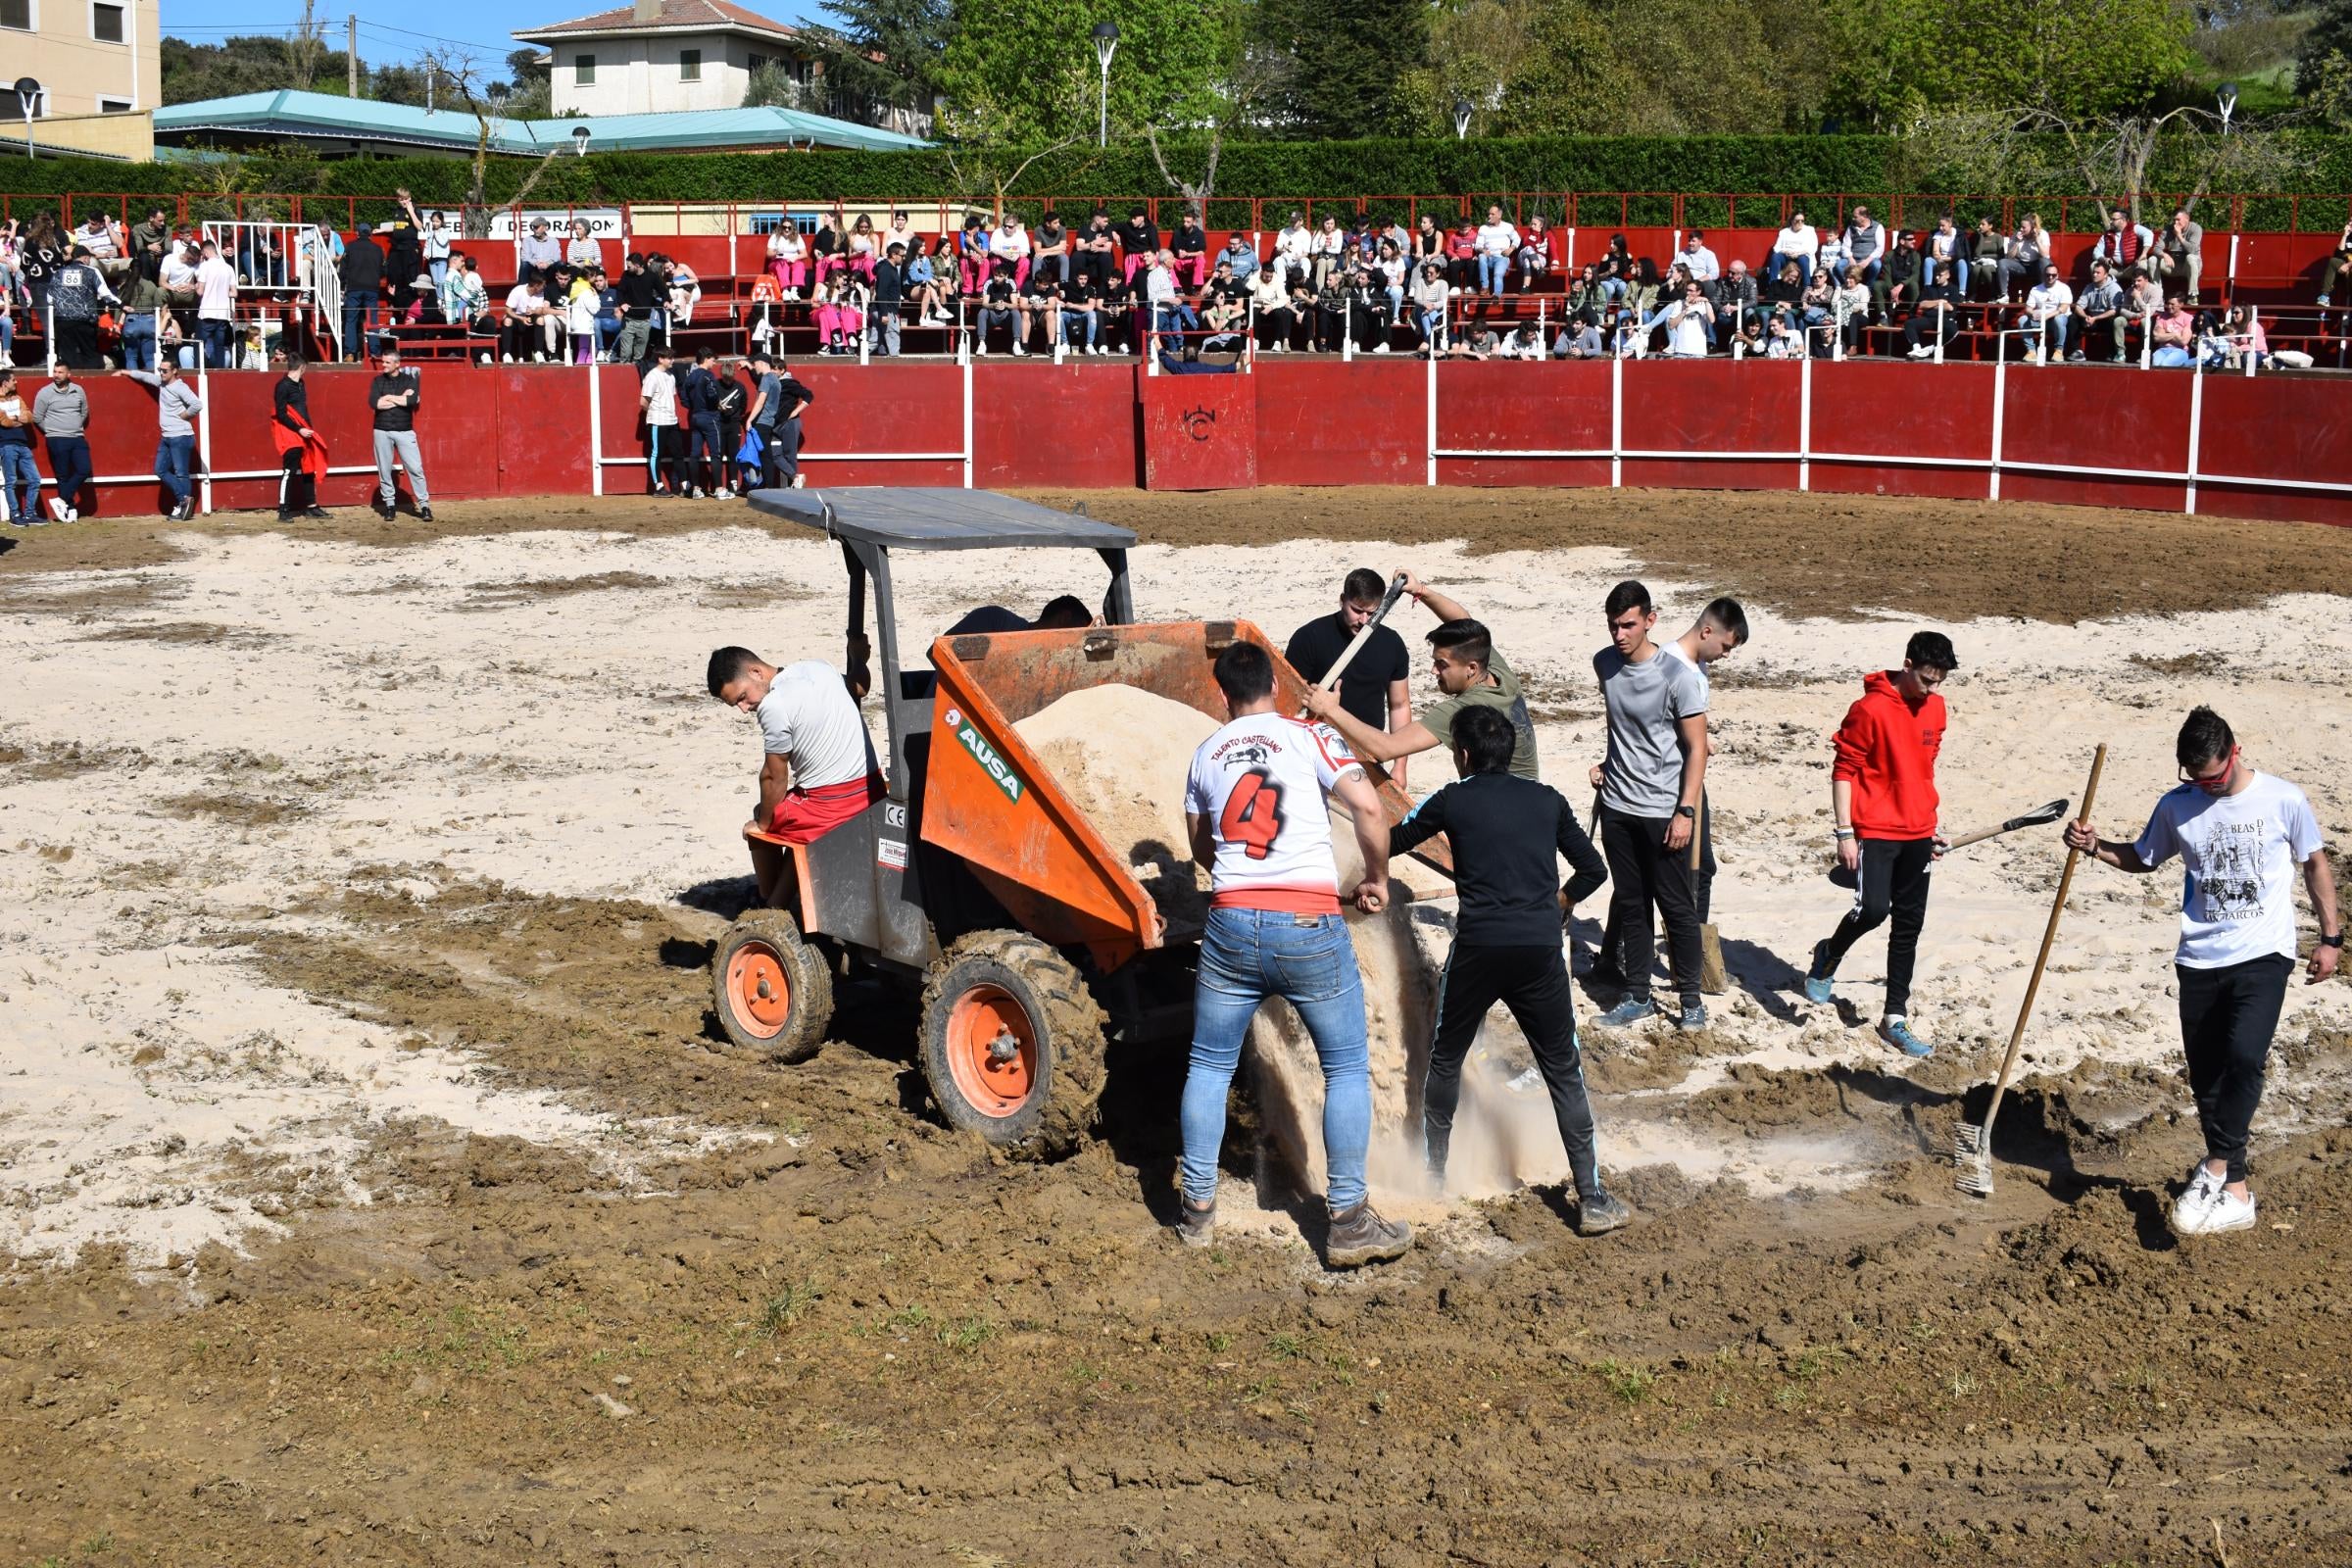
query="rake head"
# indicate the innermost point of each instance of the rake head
(1971, 1151)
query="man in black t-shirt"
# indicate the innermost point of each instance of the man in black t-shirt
(1081, 323)
(1139, 237)
(1377, 688)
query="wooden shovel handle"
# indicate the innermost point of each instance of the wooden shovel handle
(2050, 934)
(1698, 828)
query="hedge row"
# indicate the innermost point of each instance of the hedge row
(1829, 164)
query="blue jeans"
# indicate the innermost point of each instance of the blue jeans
(1246, 957)
(139, 341)
(19, 483)
(1776, 261)
(1612, 288)
(217, 337)
(1070, 326)
(8, 335)
(174, 460)
(1492, 270)
(359, 313)
(1433, 326)
(70, 466)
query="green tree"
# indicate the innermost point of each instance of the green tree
(1025, 69)
(1352, 62)
(1900, 61)
(889, 50)
(194, 71)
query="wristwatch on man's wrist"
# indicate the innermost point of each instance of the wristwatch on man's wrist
(1686, 810)
(2336, 941)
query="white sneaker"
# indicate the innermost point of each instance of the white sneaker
(59, 509)
(485, 359)
(980, 350)
(2225, 1213)
(1920, 351)
(2188, 1209)
(1380, 347)
(1020, 353)
(504, 358)
(73, 515)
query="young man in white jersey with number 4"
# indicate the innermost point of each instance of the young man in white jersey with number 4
(1255, 804)
(2243, 836)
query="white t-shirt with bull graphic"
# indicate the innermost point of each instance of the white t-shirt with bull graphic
(1262, 782)
(2242, 853)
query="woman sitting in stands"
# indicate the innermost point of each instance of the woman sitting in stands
(1785, 286)
(941, 292)
(1389, 274)
(862, 252)
(1586, 294)
(787, 261)
(917, 280)
(1539, 253)
(839, 314)
(1429, 243)
(1640, 282)
(827, 253)
(1430, 296)
(1617, 270)
(685, 291)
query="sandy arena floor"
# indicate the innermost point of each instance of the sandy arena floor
(368, 1193)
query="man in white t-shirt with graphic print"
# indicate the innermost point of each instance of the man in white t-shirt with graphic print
(1256, 806)
(2241, 835)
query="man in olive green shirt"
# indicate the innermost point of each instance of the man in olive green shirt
(1469, 674)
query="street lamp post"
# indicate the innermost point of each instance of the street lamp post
(1461, 118)
(579, 141)
(1106, 44)
(2226, 97)
(29, 94)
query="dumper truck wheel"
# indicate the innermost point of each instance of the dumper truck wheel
(772, 992)
(1012, 1042)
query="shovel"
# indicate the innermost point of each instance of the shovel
(1711, 976)
(1972, 1147)
(2050, 813)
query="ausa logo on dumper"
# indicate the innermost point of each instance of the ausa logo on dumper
(994, 766)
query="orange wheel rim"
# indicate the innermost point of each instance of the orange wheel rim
(757, 989)
(991, 1051)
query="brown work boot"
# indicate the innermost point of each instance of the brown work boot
(1359, 1236)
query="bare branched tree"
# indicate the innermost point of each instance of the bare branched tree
(307, 48)
(2036, 149)
(464, 76)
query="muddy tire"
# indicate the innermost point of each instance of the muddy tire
(1012, 1042)
(772, 992)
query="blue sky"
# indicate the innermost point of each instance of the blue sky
(388, 33)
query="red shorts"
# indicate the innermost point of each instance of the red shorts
(803, 816)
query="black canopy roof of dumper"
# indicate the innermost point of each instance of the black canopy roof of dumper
(926, 519)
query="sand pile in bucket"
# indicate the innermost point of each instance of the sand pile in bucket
(1121, 754)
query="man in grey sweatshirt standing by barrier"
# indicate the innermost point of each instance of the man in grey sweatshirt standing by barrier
(62, 413)
(177, 406)
(393, 396)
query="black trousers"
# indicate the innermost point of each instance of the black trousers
(297, 486)
(1703, 896)
(2226, 1018)
(1642, 874)
(1533, 982)
(1894, 880)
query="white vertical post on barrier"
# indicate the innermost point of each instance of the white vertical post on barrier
(963, 338)
(2196, 427)
(1543, 325)
(2000, 389)
(866, 334)
(2230, 290)
(1348, 333)
(2253, 325)
(1568, 257)
(1944, 321)
(596, 432)
(49, 340)
(967, 423)
(1804, 424)
(1616, 421)
(204, 431)
(1837, 341)
(1250, 338)
(1430, 411)
(2147, 339)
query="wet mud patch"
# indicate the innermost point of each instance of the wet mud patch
(235, 808)
(513, 595)
(34, 760)
(87, 598)
(181, 632)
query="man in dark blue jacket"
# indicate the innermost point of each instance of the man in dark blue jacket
(698, 404)
(1506, 833)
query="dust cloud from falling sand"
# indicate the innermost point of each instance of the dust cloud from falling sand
(1121, 754)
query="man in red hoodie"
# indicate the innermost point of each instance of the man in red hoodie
(1883, 794)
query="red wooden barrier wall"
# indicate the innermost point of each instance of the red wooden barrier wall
(1926, 430)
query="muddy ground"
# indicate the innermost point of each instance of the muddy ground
(833, 1331)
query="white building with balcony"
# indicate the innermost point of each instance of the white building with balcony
(661, 56)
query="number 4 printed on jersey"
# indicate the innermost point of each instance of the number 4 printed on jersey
(1252, 816)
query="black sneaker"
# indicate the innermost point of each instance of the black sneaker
(284, 516)
(315, 513)
(386, 513)
(1602, 1213)
(1359, 1236)
(424, 513)
(1195, 1226)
